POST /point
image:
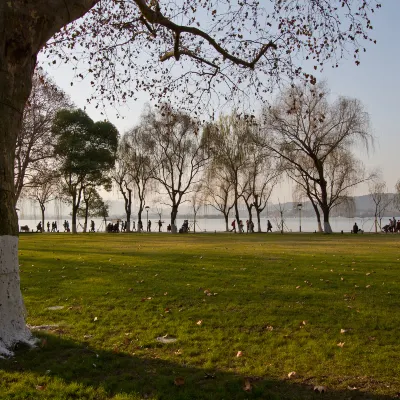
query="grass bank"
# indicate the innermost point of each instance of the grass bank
(246, 310)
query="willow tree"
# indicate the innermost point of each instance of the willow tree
(315, 138)
(180, 154)
(216, 41)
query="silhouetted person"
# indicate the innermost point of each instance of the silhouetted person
(269, 226)
(355, 228)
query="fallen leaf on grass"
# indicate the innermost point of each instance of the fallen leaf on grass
(166, 339)
(320, 389)
(95, 319)
(352, 388)
(340, 344)
(291, 374)
(247, 385)
(239, 354)
(179, 381)
(199, 322)
(269, 328)
(297, 287)
(343, 330)
(40, 387)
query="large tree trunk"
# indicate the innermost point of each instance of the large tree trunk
(24, 29)
(15, 84)
(327, 225)
(318, 215)
(258, 220)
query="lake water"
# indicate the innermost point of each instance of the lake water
(218, 224)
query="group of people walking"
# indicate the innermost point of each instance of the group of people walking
(39, 227)
(249, 226)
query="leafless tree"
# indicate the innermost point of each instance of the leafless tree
(219, 191)
(139, 162)
(231, 138)
(314, 138)
(197, 200)
(180, 154)
(43, 187)
(381, 199)
(263, 173)
(122, 176)
(35, 141)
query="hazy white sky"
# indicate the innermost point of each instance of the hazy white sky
(375, 82)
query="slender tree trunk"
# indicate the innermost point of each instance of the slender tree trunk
(43, 209)
(128, 209)
(85, 224)
(174, 213)
(226, 217)
(74, 212)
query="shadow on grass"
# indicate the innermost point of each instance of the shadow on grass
(63, 369)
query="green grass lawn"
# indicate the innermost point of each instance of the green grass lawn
(281, 300)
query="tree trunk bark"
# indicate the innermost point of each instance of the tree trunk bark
(174, 213)
(237, 216)
(74, 212)
(15, 84)
(258, 220)
(85, 224)
(226, 216)
(327, 225)
(43, 209)
(318, 214)
(128, 209)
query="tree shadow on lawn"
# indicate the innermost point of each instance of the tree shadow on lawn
(61, 368)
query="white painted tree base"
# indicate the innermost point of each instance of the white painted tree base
(13, 329)
(327, 227)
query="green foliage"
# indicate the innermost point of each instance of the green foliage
(85, 148)
(252, 294)
(86, 151)
(94, 204)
